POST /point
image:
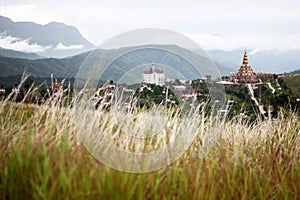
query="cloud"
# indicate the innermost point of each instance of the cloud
(253, 52)
(18, 44)
(193, 16)
(60, 46)
(259, 42)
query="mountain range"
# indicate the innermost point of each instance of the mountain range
(12, 68)
(68, 49)
(265, 61)
(295, 72)
(68, 67)
(18, 54)
(50, 40)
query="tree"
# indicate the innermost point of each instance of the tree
(284, 101)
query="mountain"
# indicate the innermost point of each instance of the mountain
(50, 40)
(266, 61)
(133, 62)
(66, 67)
(18, 54)
(295, 72)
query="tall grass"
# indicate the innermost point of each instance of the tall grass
(43, 157)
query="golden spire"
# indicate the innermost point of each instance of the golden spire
(245, 59)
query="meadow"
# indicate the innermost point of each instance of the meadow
(42, 157)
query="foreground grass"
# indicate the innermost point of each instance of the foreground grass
(41, 158)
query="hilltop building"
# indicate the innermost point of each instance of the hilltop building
(154, 76)
(245, 73)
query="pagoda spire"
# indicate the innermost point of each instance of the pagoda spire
(245, 59)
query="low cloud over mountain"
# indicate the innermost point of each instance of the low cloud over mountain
(50, 40)
(19, 44)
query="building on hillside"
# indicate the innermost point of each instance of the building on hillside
(154, 76)
(178, 85)
(265, 76)
(2, 90)
(245, 73)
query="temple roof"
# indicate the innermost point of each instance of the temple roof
(245, 59)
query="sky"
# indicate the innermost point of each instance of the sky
(225, 25)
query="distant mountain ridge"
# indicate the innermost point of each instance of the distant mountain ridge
(53, 39)
(295, 72)
(59, 40)
(266, 61)
(18, 54)
(68, 67)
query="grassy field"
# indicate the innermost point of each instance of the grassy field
(42, 158)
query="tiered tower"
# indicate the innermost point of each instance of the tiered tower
(245, 74)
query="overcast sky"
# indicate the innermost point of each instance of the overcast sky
(226, 25)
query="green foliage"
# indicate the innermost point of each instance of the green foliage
(242, 101)
(201, 86)
(155, 95)
(284, 101)
(41, 67)
(263, 93)
(291, 84)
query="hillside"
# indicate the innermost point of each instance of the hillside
(295, 72)
(68, 67)
(18, 54)
(50, 40)
(292, 84)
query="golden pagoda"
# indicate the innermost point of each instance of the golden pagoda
(245, 74)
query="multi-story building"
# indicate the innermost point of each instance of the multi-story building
(154, 76)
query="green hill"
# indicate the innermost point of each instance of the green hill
(292, 84)
(68, 67)
(18, 54)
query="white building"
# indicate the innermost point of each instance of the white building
(154, 76)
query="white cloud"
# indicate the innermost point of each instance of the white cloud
(253, 52)
(18, 44)
(259, 42)
(60, 46)
(99, 20)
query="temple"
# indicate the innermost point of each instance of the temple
(245, 74)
